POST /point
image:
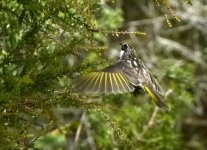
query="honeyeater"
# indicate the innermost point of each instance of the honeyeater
(127, 75)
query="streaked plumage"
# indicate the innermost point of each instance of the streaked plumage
(127, 75)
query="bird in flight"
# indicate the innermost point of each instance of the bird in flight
(129, 74)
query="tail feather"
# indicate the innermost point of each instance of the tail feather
(157, 97)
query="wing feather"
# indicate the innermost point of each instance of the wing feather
(108, 85)
(109, 80)
(95, 86)
(82, 82)
(105, 83)
(121, 85)
(126, 83)
(111, 83)
(103, 87)
(115, 85)
(90, 84)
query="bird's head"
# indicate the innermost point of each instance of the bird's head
(127, 52)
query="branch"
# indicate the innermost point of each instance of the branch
(151, 122)
(183, 50)
(91, 140)
(196, 122)
(77, 135)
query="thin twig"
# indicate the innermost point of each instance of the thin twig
(196, 122)
(145, 21)
(91, 140)
(151, 122)
(183, 50)
(77, 135)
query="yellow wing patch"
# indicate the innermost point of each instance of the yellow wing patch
(156, 97)
(105, 89)
(117, 86)
(150, 92)
(111, 83)
(104, 82)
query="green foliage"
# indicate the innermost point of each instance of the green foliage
(110, 18)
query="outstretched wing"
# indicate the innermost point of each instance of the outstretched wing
(108, 80)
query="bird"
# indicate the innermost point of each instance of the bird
(127, 75)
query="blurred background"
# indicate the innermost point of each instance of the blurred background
(46, 45)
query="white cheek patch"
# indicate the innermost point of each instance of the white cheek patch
(121, 53)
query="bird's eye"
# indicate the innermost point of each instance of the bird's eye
(124, 47)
